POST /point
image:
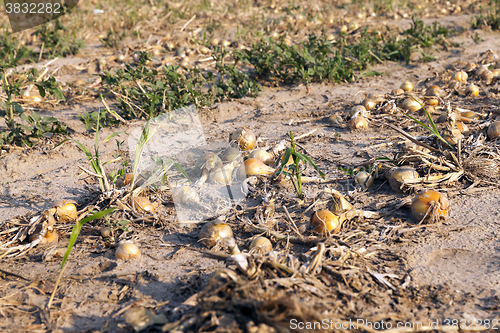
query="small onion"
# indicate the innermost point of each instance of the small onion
(369, 104)
(214, 41)
(487, 76)
(245, 139)
(260, 245)
(65, 211)
(363, 179)
(223, 174)
(143, 204)
(460, 76)
(454, 84)
(225, 43)
(407, 86)
(411, 105)
(106, 232)
(127, 250)
(325, 222)
(214, 232)
(204, 50)
(397, 92)
(432, 101)
(358, 122)
(397, 177)
(335, 120)
(357, 109)
(431, 203)
(50, 236)
(255, 167)
(472, 90)
(494, 130)
(262, 155)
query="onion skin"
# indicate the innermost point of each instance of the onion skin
(255, 167)
(325, 222)
(430, 199)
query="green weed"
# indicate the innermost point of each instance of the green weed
(57, 41)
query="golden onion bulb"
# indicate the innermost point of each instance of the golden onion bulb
(494, 130)
(369, 104)
(460, 76)
(431, 203)
(245, 139)
(397, 92)
(357, 109)
(261, 245)
(255, 167)
(127, 250)
(364, 179)
(487, 76)
(325, 222)
(223, 174)
(411, 105)
(472, 90)
(212, 233)
(214, 41)
(143, 204)
(358, 122)
(407, 86)
(262, 155)
(50, 236)
(65, 211)
(106, 232)
(398, 176)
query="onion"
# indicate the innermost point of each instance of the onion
(262, 155)
(186, 194)
(460, 76)
(245, 139)
(106, 232)
(230, 154)
(325, 222)
(357, 109)
(363, 179)
(494, 130)
(214, 232)
(411, 105)
(255, 167)
(431, 203)
(143, 204)
(472, 90)
(358, 122)
(260, 245)
(398, 176)
(407, 86)
(65, 211)
(127, 250)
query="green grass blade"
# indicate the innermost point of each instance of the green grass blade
(78, 227)
(310, 161)
(112, 136)
(286, 157)
(181, 170)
